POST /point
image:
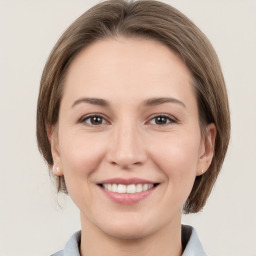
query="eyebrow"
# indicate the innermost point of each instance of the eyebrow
(162, 100)
(149, 102)
(93, 101)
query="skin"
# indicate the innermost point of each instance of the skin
(129, 142)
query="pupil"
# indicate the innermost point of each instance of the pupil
(96, 120)
(161, 120)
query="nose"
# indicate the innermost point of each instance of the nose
(126, 148)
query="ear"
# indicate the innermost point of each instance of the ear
(52, 133)
(206, 149)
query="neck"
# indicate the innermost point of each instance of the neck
(164, 242)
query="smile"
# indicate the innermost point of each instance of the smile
(129, 189)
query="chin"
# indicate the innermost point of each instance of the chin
(126, 230)
(130, 234)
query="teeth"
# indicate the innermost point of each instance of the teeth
(114, 188)
(132, 188)
(139, 188)
(120, 188)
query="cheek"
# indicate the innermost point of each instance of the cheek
(179, 151)
(80, 157)
(177, 157)
(80, 154)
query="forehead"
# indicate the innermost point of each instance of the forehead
(139, 67)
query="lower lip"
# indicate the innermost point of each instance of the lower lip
(127, 198)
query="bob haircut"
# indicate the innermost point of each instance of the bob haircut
(153, 20)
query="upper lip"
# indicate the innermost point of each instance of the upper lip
(126, 181)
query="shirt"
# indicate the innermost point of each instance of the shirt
(190, 243)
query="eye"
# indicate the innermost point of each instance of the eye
(93, 120)
(162, 120)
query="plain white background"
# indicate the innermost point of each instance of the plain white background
(31, 221)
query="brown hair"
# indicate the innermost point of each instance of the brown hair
(147, 19)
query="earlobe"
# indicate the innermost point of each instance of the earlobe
(57, 171)
(207, 152)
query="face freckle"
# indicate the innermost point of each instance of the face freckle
(129, 113)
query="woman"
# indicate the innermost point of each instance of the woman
(133, 121)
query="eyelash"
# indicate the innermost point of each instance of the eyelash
(83, 119)
(170, 119)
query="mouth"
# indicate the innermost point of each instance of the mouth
(128, 189)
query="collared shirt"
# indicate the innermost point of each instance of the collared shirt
(190, 243)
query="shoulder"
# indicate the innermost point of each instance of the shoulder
(191, 243)
(72, 246)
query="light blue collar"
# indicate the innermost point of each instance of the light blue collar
(190, 242)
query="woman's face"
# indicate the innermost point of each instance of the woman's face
(129, 117)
